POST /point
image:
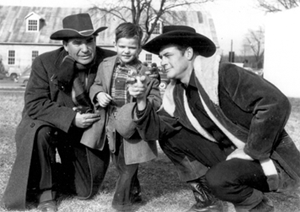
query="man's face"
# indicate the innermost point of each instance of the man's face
(127, 49)
(174, 62)
(81, 49)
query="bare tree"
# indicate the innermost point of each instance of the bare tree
(255, 42)
(278, 5)
(146, 13)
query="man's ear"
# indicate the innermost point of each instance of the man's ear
(189, 53)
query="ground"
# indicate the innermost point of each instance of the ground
(161, 189)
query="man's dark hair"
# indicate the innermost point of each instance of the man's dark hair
(129, 30)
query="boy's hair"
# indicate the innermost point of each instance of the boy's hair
(129, 30)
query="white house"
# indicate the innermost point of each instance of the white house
(25, 31)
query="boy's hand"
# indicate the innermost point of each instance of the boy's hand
(103, 99)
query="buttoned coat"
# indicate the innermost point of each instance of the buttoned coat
(48, 102)
(135, 149)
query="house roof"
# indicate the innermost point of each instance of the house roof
(13, 24)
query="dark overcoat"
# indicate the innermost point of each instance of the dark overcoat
(47, 102)
(250, 108)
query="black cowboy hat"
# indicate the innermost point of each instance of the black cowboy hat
(76, 26)
(181, 35)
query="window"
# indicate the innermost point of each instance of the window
(148, 58)
(34, 55)
(32, 25)
(11, 57)
(34, 22)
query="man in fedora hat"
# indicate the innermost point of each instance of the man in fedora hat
(57, 112)
(221, 126)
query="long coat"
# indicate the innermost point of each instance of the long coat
(47, 102)
(250, 108)
(135, 150)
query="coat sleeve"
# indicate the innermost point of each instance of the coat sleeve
(97, 85)
(154, 125)
(270, 108)
(153, 91)
(40, 103)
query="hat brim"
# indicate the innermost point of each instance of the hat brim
(70, 33)
(203, 45)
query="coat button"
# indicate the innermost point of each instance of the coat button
(32, 125)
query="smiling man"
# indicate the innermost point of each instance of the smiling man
(56, 114)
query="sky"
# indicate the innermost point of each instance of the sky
(232, 18)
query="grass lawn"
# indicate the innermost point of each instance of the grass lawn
(161, 189)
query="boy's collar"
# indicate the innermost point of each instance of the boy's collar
(131, 63)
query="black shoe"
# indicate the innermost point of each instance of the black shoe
(205, 200)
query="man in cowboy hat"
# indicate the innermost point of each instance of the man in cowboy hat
(221, 126)
(57, 112)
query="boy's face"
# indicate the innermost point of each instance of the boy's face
(127, 49)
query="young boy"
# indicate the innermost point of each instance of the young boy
(109, 93)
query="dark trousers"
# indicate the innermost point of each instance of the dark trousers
(80, 170)
(192, 154)
(238, 181)
(127, 185)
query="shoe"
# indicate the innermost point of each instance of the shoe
(47, 206)
(266, 205)
(205, 200)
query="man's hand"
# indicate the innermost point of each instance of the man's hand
(137, 88)
(239, 153)
(85, 120)
(103, 99)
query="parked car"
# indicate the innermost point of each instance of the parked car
(24, 77)
(13, 73)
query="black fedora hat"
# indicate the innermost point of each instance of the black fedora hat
(181, 35)
(76, 26)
